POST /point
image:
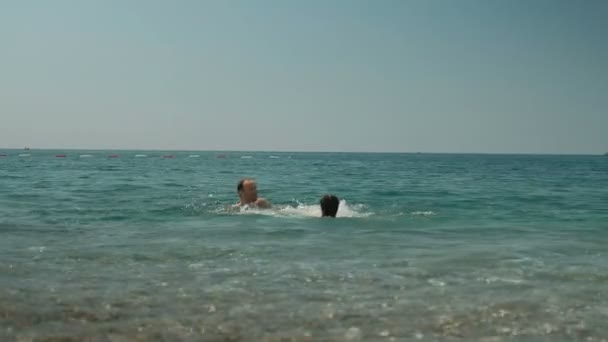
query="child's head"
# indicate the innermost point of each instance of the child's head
(329, 205)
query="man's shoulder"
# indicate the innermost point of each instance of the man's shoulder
(262, 203)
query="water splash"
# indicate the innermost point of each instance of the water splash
(306, 210)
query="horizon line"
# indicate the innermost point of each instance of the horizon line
(301, 151)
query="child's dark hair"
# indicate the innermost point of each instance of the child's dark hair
(329, 205)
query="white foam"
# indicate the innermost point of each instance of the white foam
(436, 282)
(246, 157)
(194, 156)
(274, 157)
(307, 210)
(141, 156)
(493, 279)
(301, 210)
(24, 155)
(423, 213)
(85, 156)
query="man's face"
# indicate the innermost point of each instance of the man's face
(249, 193)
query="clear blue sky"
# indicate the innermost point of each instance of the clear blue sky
(321, 75)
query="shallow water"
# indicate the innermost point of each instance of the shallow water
(426, 247)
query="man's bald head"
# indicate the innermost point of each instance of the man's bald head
(248, 191)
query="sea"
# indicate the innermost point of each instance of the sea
(147, 246)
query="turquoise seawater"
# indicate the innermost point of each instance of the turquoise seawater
(426, 247)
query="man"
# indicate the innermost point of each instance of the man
(329, 206)
(248, 195)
